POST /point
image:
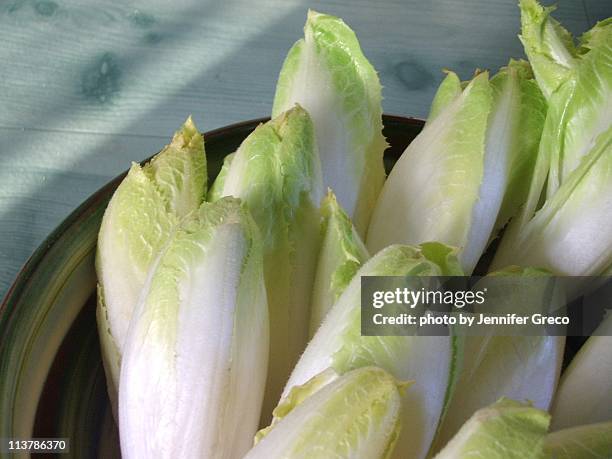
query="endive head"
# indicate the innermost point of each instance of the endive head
(503, 430)
(518, 367)
(341, 254)
(581, 442)
(327, 73)
(219, 239)
(578, 111)
(338, 50)
(150, 200)
(434, 189)
(565, 236)
(197, 346)
(338, 343)
(528, 114)
(353, 415)
(141, 215)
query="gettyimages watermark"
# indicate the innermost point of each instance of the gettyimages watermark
(490, 305)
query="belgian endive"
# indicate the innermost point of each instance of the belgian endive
(575, 155)
(590, 441)
(327, 73)
(342, 253)
(195, 358)
(585, 390)
(355, 415)
(429, 360)
(578, 84)
(471, 160)
(504, 430)
(276, 173)
(567, 236)
(142, 214)
(517, 367)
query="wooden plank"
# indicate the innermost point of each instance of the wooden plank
(116, 69)
(47, 177)
(597, 10)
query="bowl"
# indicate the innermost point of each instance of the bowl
(51, 377)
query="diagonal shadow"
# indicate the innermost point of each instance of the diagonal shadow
(29, 218)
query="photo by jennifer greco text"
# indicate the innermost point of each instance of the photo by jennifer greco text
(484, 305)
(467, 319)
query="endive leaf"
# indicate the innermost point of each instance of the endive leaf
(450, 89)
(526, 130)
(517, 367)
(142, 214)
(327, 73)
(592, 441)
(579, 112)
(276, 173)
(549, 47)
(464, 175)
(338, 344)
(433, 188)
(179, 170)
(578, 85)
(342, 253)
(194, 363)
(216, 190)
(565, 236)
(503, 430)
(356, 415)
(595, 37)
(295, 397)
(585, 389)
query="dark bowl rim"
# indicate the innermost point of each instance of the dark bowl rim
(89, 204)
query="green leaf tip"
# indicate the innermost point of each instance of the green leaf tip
(354, 415)
(549, 47)
(504, 430)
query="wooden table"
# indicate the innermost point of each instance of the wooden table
(87, 87)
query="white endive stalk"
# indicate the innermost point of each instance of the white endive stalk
(195, 358)
(503, 430)
(452, 180)
(591, 441)
(574, 161)
(566, 235)
(342, 253)
(355, 415)
(139, 220)
(276, 173)
(517, 367)
(338, 344)
(327, 73)
(585, 389)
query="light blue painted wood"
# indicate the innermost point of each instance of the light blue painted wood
(86, 87)
(597, 10)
